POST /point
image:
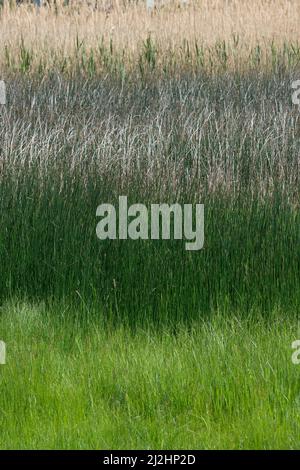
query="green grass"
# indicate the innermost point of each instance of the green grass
(223, 383)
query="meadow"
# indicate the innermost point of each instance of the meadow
(134, 343)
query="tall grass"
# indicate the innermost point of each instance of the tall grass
(229, 141)
(214, 34)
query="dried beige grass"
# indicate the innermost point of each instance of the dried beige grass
(52, 31)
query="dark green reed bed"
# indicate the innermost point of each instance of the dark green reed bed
(231, 143)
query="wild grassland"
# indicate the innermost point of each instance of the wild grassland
(204, 337)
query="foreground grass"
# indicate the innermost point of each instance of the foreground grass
(220, 384)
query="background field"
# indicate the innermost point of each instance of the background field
(141, 344)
